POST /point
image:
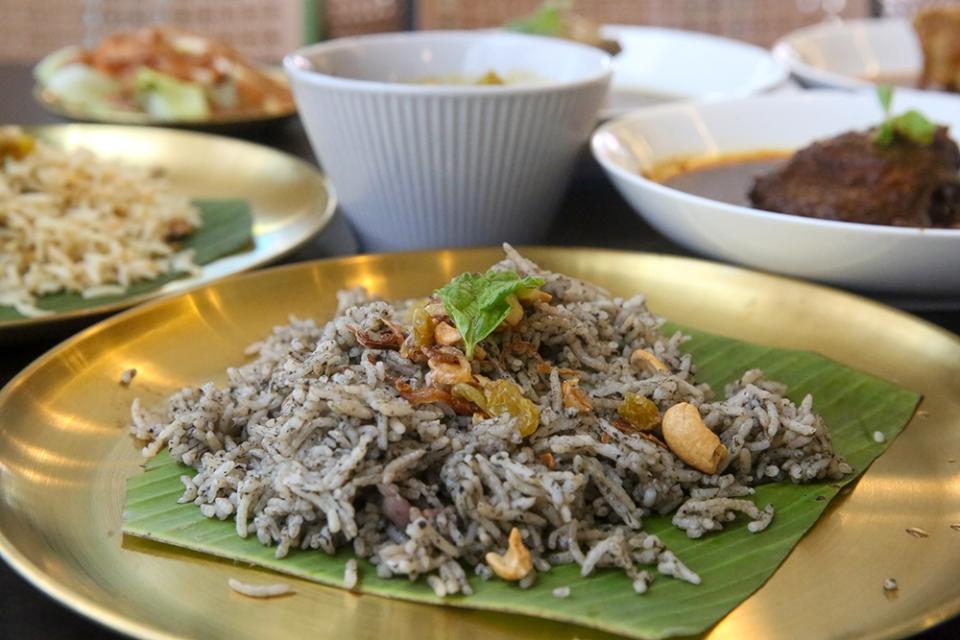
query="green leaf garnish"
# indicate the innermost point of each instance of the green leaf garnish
(911, 126)
(477, 302)
(914, 126)
(884, 135)
(885, 96)
(545, 21)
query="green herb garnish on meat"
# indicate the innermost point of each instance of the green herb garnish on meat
(479, 302)
(911, 126)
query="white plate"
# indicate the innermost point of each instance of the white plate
(853, 54)
(892, 260)
(659, 65)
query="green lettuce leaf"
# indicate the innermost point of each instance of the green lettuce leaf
(227, 227)
(478, 302)
(732, 563)
(81, 86)
(59, 58)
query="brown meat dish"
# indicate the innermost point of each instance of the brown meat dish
(852, 179)
(938, 29)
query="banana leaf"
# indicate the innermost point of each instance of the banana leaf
(732, 563)
(227, 227)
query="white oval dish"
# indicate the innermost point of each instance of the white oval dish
(893, 260)
(852, 54)
(659, 65)
(438, 165)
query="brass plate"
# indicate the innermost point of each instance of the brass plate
(290, 199)
(64, 455)
(55, 105)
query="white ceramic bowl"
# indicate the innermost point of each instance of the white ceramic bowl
(852, 54)
(437, 165)
(896, 260)
(659, 65)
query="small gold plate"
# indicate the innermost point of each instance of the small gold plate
(291, 201)
(65, 453)
(239, 122)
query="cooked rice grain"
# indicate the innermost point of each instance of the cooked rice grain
(259, 590)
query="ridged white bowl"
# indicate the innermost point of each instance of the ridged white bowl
(436, 165)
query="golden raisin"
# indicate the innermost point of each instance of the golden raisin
(423, 328)
(639, 411)
(516, 312)
(15, 143)
(504, 396)
(469, 393)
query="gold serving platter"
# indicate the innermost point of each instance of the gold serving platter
(65, 454)
(291, 201)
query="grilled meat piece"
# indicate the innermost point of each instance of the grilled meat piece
(850, 178)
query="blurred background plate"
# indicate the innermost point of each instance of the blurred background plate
(223, 123)
(65, 454)
(853, 54)
(659, 65)
(289, 199)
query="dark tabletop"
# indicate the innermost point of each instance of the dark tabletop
(592, 214)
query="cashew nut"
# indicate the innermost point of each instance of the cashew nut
(534, 295)
(691, 440)
(516, 563)
(446, 334)
(448, 372)
(435, 309)
(643, 359)
(574, 397)
(516, 312)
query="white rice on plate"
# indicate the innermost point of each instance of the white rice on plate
(71, 222)
(341, 435)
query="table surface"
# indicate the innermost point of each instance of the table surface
(592, 214)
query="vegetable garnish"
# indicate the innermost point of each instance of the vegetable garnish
(911, 125)
(167, 97)
(545, 21)
(479, 302)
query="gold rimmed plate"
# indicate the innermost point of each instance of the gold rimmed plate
(65, 455)
(290, 200)
(62, 107)
(232, 123)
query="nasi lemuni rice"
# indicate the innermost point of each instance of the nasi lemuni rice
(515, 420)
